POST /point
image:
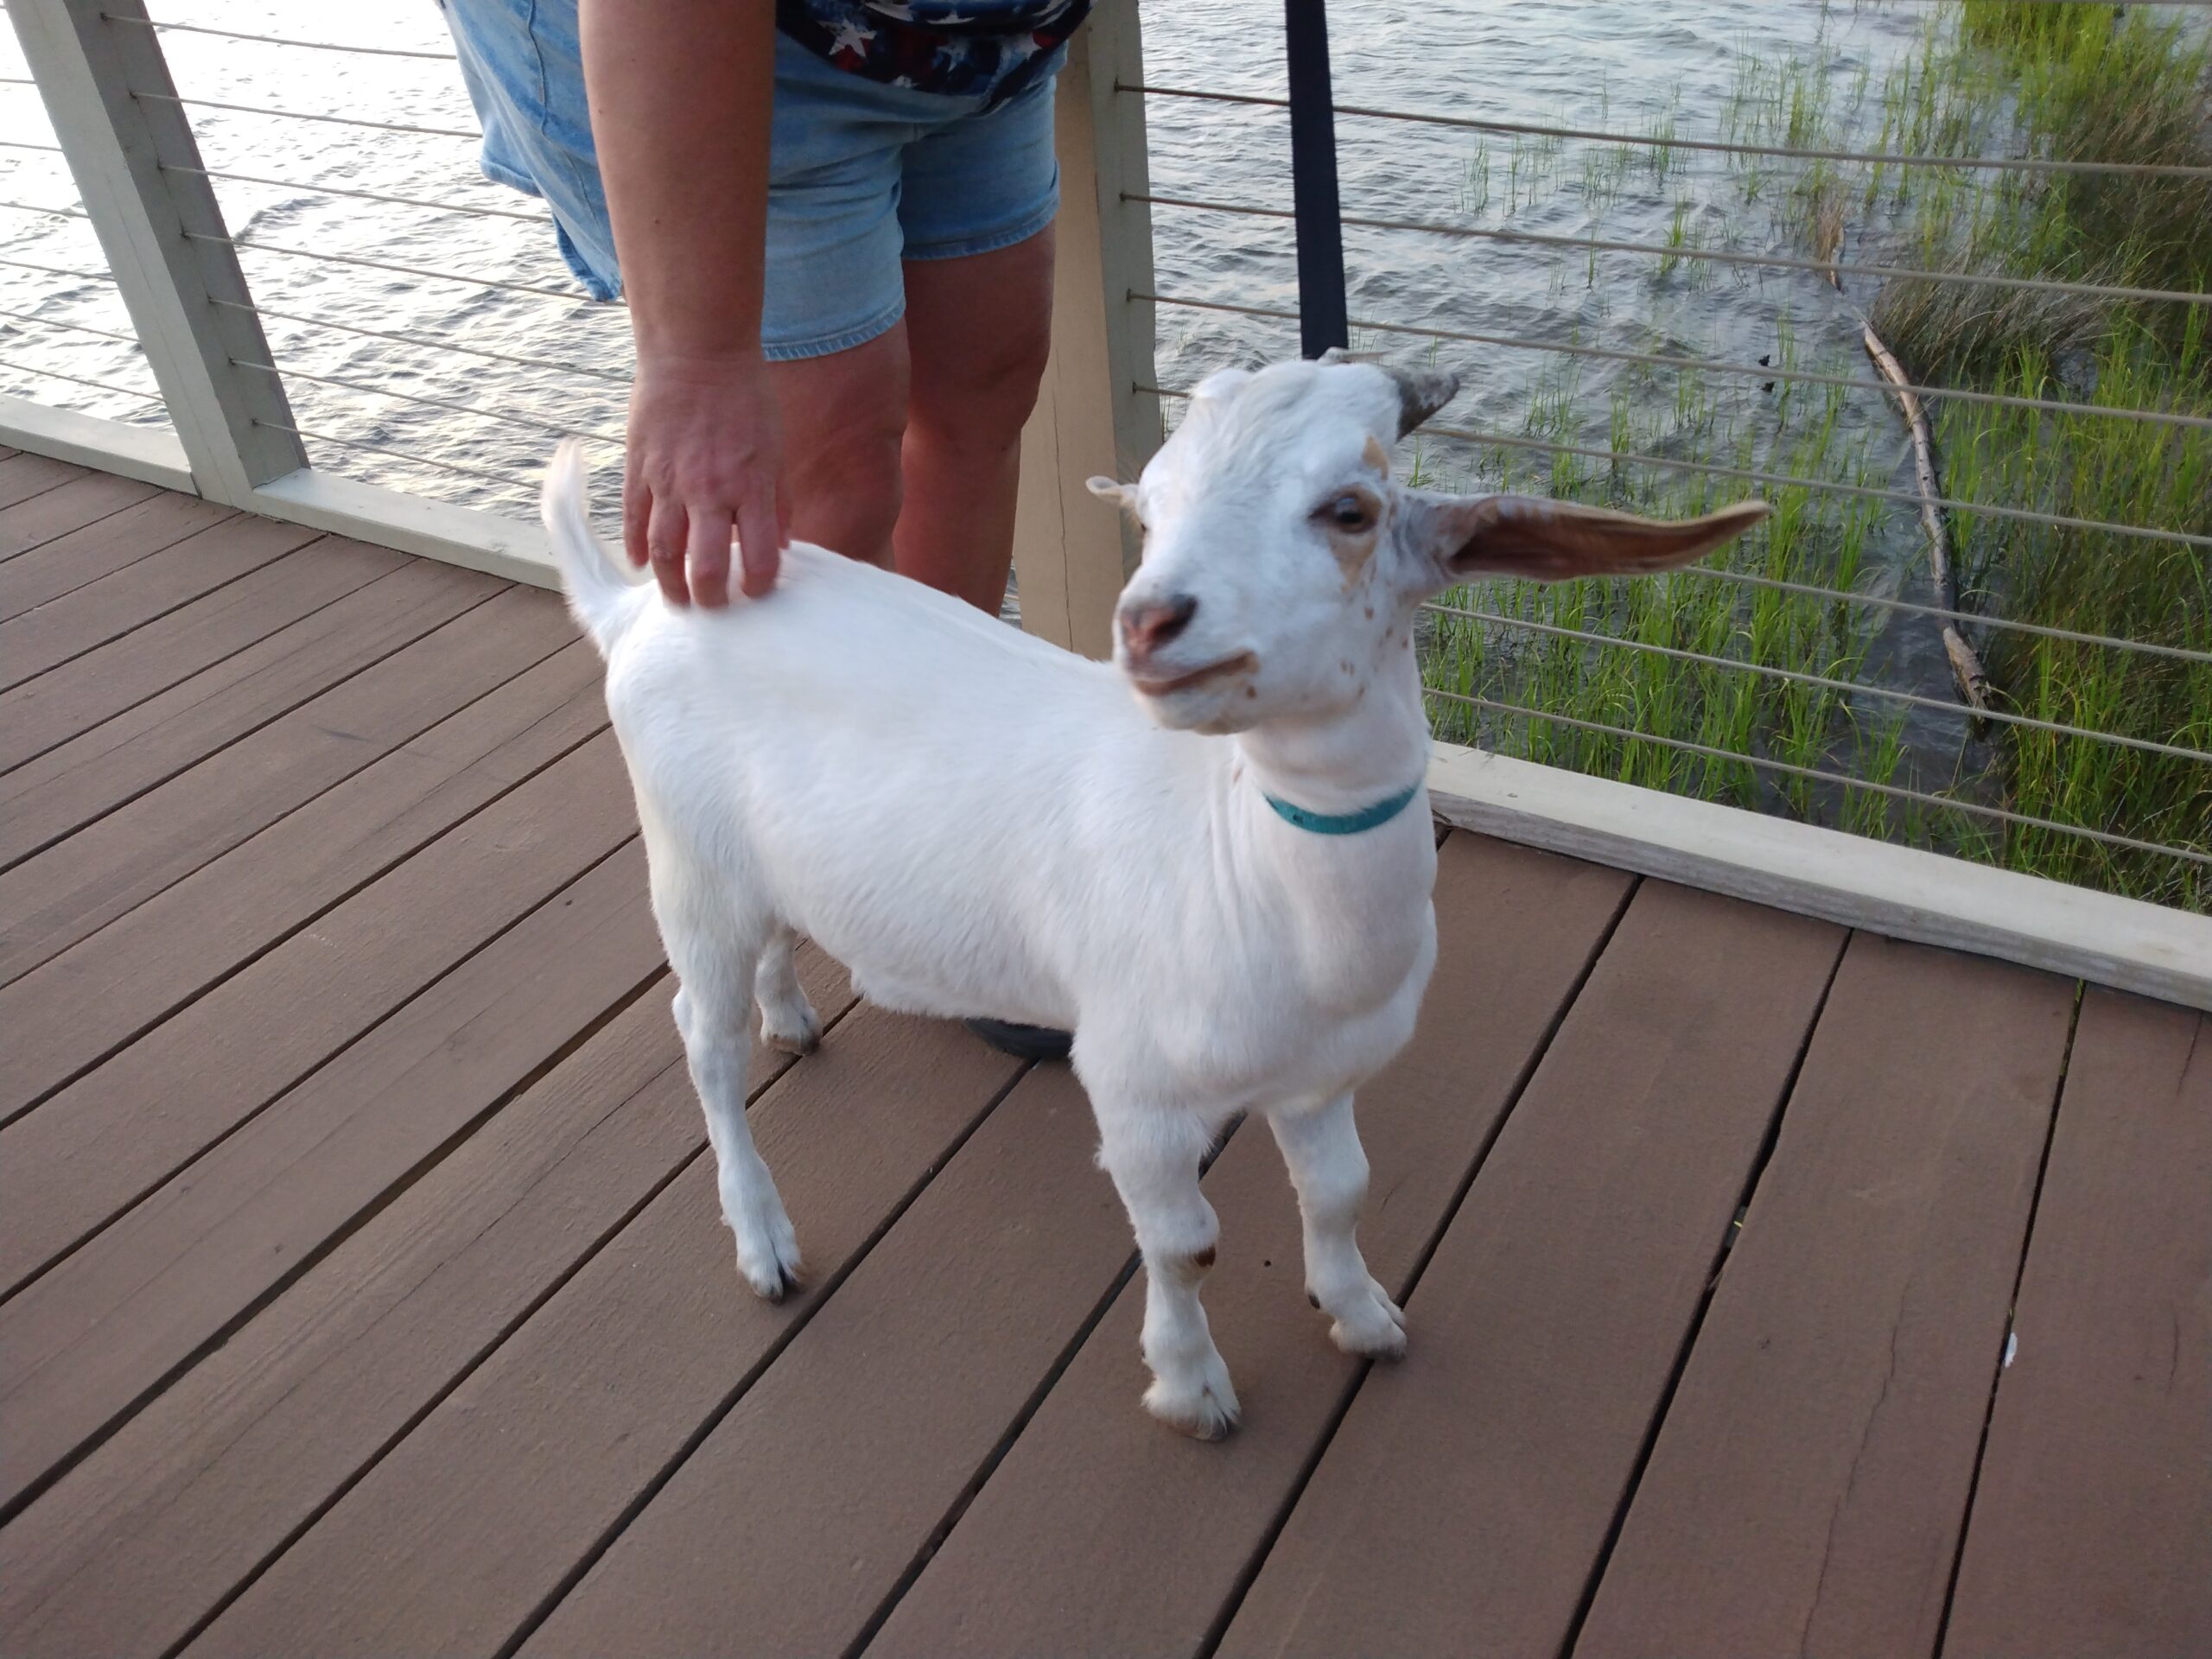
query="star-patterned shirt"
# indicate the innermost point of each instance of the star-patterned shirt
(976, 48)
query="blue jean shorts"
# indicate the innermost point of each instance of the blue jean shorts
(861, 175)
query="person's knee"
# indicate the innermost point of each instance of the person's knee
(845, 488)
(981, 400)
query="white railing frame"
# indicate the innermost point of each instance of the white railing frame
(119, 147)
(144, 187)
(137, 170)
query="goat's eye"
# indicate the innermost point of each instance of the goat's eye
(1348, 512)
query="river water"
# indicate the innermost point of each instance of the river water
(1631, 66)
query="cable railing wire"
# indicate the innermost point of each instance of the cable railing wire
(78, 379)
(1711, 256)
(439, 345)
(314, 437)
(1523, 129)
(2003, 815)
(306, 115)
(1759, 371)
(1791, 481)
(430, 403)
(278, 40)
(58, 271)
(467, 208)
(40, 207)
(1800, 677)
(131, 340)
(1828, 486)
(1962, 619)
(570, 295)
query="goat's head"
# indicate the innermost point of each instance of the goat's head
(1282, 562)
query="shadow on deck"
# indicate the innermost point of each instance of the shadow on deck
(1772, 1288)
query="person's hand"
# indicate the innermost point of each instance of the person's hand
(706, 457)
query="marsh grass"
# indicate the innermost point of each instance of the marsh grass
(1987, 77)
(2074, 83)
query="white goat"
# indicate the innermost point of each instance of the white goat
(1221, 884)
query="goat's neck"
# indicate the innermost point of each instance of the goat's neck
(1348, 760)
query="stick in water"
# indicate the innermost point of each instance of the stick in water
(1966, 667)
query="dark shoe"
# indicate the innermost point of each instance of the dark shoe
(1024, 1042)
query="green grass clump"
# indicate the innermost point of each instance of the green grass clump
(2075, 83)
(1988, 77)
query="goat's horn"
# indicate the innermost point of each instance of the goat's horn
(1421, 393)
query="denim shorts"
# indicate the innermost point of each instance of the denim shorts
(860, 174)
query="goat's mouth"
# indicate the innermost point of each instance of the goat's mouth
(1242, 662)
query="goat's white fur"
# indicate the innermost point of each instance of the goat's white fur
(977, 822)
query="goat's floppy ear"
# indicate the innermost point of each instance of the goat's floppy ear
(1123, 496)
(1471, 536)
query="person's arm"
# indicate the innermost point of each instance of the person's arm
(680, 100)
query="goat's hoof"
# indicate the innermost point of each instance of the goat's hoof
(767, 1256)
(1205, 1409)
(1374, 1328)
(795, 1030)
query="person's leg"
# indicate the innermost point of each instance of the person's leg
(977, 332)
(844, 414)
(979, 191)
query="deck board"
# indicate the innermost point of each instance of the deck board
(83, 1345)
(105, 681)
(67, 508)
(488, 1528)
(1463, 1504)
(24, 476)
(64, 1172)
(155, 1532)
(223, 1057)
(71, 783)
(90, 616)
(57, 565)
(1807, 1490)
(996, 1271)
(56, 898)
(1148, 1561)
(363, 1290)
(109, 680)
(2092, 1528)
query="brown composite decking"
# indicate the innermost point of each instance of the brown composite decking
(362, 1289)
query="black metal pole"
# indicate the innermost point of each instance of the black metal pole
(1313, 180)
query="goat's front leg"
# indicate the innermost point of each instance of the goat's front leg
(1328, 1167)
(710, 1014)
(1153, 1160)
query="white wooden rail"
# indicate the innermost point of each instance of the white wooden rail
(137, 170)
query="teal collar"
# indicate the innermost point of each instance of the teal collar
(1347, 823)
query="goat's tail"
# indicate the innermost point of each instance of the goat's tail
(602, 599)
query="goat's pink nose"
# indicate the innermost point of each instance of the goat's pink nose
(1146, 627)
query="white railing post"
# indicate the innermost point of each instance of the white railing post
(136, 165)
(1072, 552)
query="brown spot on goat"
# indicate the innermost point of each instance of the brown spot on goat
(1203, 1259)
(1376, 456)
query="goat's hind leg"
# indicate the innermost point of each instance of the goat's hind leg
(717, 970)
(788, 1020)
(1320, 1145)
(1154, 1162)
